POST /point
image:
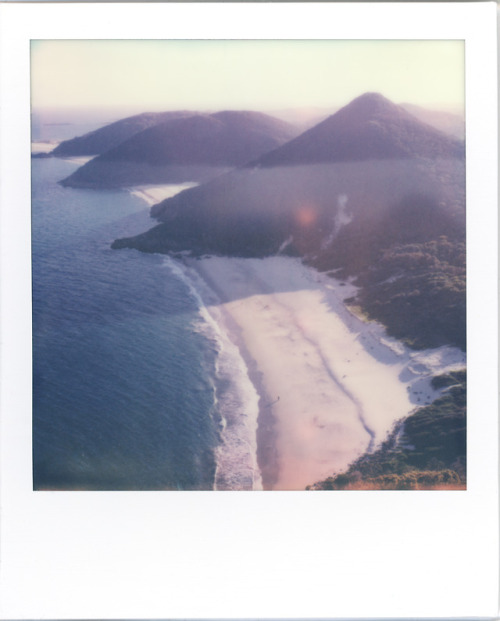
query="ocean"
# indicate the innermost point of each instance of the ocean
(135, 387)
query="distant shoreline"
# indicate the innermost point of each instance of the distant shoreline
(155, 193)
(43, 146)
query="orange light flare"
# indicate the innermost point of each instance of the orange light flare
(306, 216)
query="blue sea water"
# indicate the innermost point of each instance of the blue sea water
(124, 394)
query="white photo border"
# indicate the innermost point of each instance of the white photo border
(201, 555)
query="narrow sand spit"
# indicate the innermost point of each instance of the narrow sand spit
(43, 146)
(331, 385)
(47, 147)
(154, 193)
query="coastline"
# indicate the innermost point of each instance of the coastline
(43, 146)
(315, 385)
(153, 194)
(217, 307)
(330, 385)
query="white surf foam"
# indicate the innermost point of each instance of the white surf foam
(235, 397)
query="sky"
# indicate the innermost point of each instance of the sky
(243, 74)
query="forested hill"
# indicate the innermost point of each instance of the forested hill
(370, 127)
(109, 136)
(371, 192)
(447, 122)
(193, 148)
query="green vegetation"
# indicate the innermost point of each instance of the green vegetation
(410, 264)
(418, 291)
(414, 480)
(427, 450)
(449, 379)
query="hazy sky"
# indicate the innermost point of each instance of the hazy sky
(211, 74)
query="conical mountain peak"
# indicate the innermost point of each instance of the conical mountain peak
(370, 103)
(369, 127)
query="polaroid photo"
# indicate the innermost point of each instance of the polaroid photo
(249, 248)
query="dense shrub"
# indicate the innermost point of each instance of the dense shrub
(418, 291)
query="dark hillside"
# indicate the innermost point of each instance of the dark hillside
(370, 127)
(304, 202)
(224, 138)
(111, 135)
(447, 122)
(377, 218)
(187, 149)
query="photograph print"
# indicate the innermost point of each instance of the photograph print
(248, 265)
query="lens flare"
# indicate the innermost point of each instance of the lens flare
(306, 215)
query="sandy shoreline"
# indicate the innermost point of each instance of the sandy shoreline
(330, 385)
(43, 146)
(48, 146)
(156, 193)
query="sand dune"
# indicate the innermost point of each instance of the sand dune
(330, 385)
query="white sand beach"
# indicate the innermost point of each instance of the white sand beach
(43, 146)
(81, 160)
(153, 194)
(48, 146)
(331, 385)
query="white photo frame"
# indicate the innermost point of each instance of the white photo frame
(195, 555)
